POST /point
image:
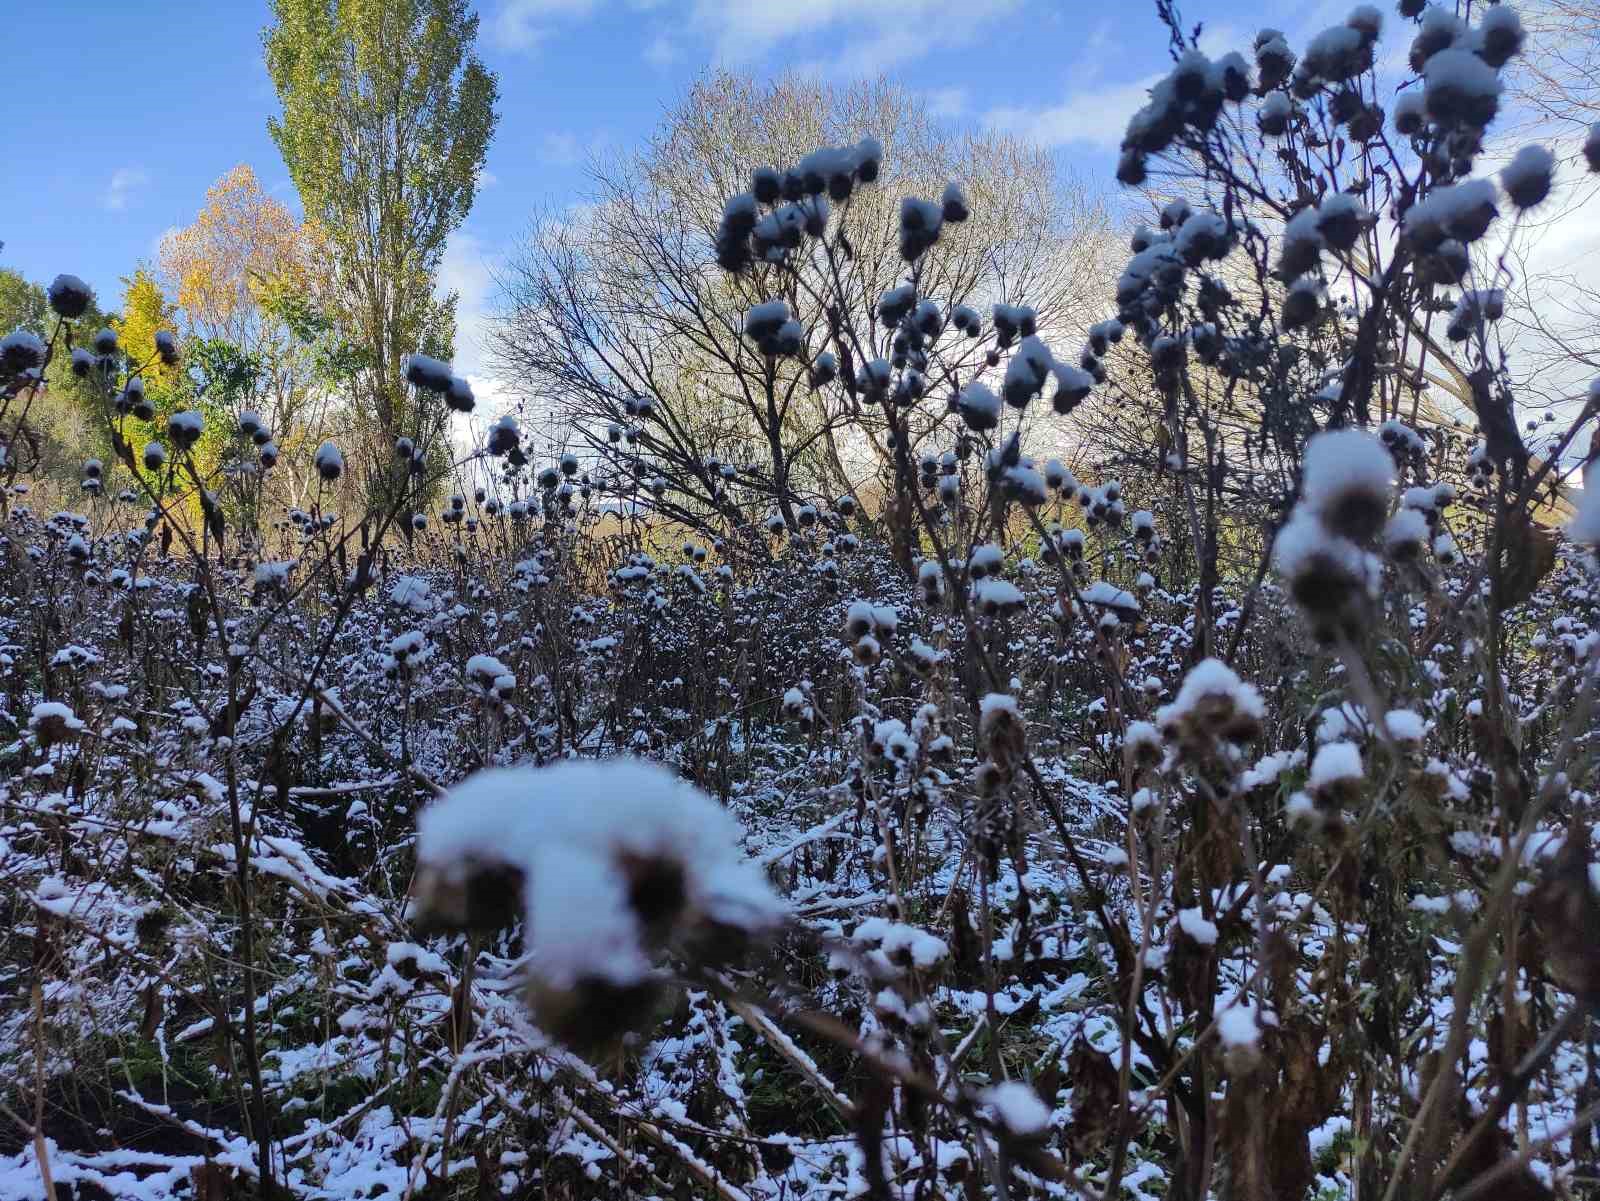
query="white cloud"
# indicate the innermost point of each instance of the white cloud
(467, 270)
(560, 150)
(947, 102)
(523, 24)
(872, 36)
(662, 51)
(127, 184)
(1095, 113)
(1092, 117)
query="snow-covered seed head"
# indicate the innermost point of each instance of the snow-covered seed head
(458, 396)
(1460, 88)
(425, 372)
(269, 455)
(1327, 574)
(69, 296)
(1405, 536)
(1527, 177)
(920, 225)
(21, 351)
(1275, 113)
(609, 865)
(989, 779)
(1336, 775)
(979, 407)
(52, 722)
(1000, 728)
(1348, 482)
(763, 321)
(797, 708)
(954, 205)
(1500, 35)
(1410, 113)
(166, 347)
(155, 456)
(1212, 704)
(329, 462)
(1141, 746)
(105, 343)
(184, 428)
(503, 436)
(1302, 305)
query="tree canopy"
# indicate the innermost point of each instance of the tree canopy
(386, 121)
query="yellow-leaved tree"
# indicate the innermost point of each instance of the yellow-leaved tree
(240, 241)
(252, 286)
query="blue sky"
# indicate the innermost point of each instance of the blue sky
(149, 103)
(144, 105)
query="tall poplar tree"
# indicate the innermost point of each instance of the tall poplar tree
(387, 116)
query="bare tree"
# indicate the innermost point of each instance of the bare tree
(621, 306)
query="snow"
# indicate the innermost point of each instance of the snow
(275, 573)
(1335, 762)
(489, 675)
(69, 295)
(1017, 1108)
(1585, 524)
(413, 592)
(1270, 767)
(1238, 1025)
(900, 940)
(986, 559)
(1304, 546)
(1341, 462)
(47, 713)
(1405, 725)
(871, 617)
(979, 406)
(1275, 113)
(1197, 927)
(1406, 531)
(1141, 734)
(185, 427)
(996, 596)
(1526, 178)
(1027, 371)
(1461, 211)
(1460, 86)
(1109, 596)
(1208, 680)
(573, 829)
(1335, 54)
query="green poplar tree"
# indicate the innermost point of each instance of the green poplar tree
(387, 116)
